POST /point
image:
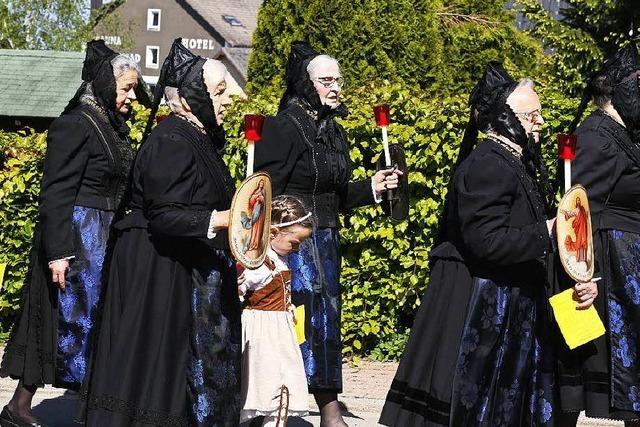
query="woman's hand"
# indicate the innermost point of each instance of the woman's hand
(386, 179)
(585, 294)
(221, 219)
(58, 271)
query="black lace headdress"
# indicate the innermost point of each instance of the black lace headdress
(184, 70)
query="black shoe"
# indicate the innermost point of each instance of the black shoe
(9, 419)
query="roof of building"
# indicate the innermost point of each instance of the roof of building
(239, 57)
(225, 15)
(38, 83)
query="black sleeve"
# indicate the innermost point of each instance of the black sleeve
(358, 193)
(170, 179)
(277, 153)
(64, 166)
(596, 167)
(485, 195)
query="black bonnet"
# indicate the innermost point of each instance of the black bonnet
(98, 71)
(297, 78)
(480, 103)
(615, 75)
(184, 70)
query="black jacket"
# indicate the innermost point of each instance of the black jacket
(87, 164)
(497, 220)
(301, 163)
(609, 175)
(178, 179)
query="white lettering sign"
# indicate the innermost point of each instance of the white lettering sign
(134, 56)
(203, 44)
(112, 40)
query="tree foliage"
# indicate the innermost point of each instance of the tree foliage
(587, 32)
(436, 46)
(57, 24)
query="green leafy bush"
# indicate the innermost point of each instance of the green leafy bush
(20, 175)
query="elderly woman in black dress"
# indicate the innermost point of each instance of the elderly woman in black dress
(169, 345)
(86, 172)
(306, 152)
(479, 352)
(603, 377)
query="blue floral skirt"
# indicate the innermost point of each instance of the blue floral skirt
(504, 371)
(79, 300)
(215, 352)
(623, 298)
(315, 283)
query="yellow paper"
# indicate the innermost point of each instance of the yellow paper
(300, 324)
(577, 326)
(3, 267)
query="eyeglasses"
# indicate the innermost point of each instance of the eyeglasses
(531, 115)
(330, 81)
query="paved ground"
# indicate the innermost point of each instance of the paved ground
(365, 387)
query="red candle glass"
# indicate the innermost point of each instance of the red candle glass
(161, 117)
(567, 146)
(253, 127)
(381, 112)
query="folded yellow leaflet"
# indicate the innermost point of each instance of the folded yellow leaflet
(578, 327)
(299, 313)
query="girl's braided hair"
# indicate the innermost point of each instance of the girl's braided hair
(285, 208)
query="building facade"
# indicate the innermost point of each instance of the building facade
(220, 29)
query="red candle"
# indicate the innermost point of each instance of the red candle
(253, 127)
(567, 146)
(382, 115)
(161, 117)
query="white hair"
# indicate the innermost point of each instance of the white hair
(172, 97)
(526, 82)
(318, 60)
(218, 72)
(123, 63)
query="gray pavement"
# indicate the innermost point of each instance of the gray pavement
(365, 387)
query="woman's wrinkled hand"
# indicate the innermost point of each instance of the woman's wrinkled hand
(58, 272)
(221, 219)
(585, 294)
(386, 179)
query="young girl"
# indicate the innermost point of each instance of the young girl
(274, 384)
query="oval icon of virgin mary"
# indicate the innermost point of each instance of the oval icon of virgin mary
(573, 228)
(250, 219)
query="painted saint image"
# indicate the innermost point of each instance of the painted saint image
(254, 217)
(580, 229)
(250, 220)
(575, 241)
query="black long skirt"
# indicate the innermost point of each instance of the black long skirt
(603, 377)
(145, 370)
(478, 355)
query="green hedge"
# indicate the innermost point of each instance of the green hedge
(385, 265)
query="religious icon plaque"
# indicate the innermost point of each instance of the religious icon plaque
(575, 238)
(250, 220)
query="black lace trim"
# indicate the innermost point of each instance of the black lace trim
(527, 181)
(135, 413)
(21, 351)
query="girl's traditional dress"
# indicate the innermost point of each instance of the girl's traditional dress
(273, 377)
